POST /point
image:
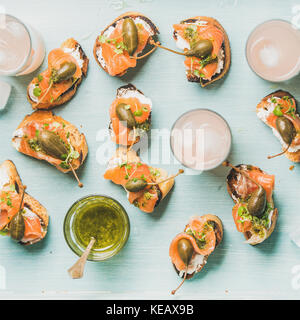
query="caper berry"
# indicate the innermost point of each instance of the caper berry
(65, 72)
(52, 145)
(185, 250)
(135, 185)
(17, 227)
(286, 129)
(200, 49)
(130, 35)
(257, 202)
(125, 114)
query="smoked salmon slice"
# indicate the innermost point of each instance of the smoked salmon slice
(140, 110)
(202, 234)
(33, 227)
(25, 139)
(110, 50)
(241, 225)
(193, 32)
(145, 199)
(9, 206)
(42, 93)
(126, 166)
(173, 251)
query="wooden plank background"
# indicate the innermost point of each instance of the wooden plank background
(143, 269)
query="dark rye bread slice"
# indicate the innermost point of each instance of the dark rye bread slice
(120, 93)
(232, 179)
(225, 47)
(67, 95)
(293, 156)
(218, 228)
(130, 14)
(29, 202)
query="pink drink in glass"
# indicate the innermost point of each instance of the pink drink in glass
(273, 50)
(201, 139)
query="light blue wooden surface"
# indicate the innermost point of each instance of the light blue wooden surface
(143, 269)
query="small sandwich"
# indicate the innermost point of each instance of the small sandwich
(145, 186)
(190, 249)
(22, 217)
(123, 42)
(278, 110)
(130, 115)
(207, 49)
(55, 86)
(44, 136)
(254, 212)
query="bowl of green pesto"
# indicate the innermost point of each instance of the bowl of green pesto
(100, 217)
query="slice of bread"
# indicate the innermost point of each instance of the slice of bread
(130, 14)
(121, 93)
(9, 170)
(232, 180)
(73, 46)
(218, 228)
(225, 46)
(293, 156)
(77, 139)
(122, 155)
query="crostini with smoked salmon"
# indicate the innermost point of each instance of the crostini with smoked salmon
(130, 115)
(190, 249)
(278, 110)
(145, 186)
(48, 137)
(123, 42)
(56, 85)
(207, 49)
(22, 217)
(254, 212)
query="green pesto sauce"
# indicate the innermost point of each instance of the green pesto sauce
(100, 221)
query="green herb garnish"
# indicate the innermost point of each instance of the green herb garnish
(37, 91)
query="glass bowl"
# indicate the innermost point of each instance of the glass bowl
(74, 216)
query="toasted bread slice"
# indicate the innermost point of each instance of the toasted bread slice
(131, 14)
(74, 48)
(10, 177)
(123, 156)
(262, 107)
(40, 118)
(218, 228)
(225, 46)
(232, 180)
(128, 91)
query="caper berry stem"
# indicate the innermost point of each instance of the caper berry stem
(281, 153)
(44, 95)
(228, 164)
(180, 171)
(22, 199)
(145, 55)
(80, 185)
(157, 44)
(181, 283)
